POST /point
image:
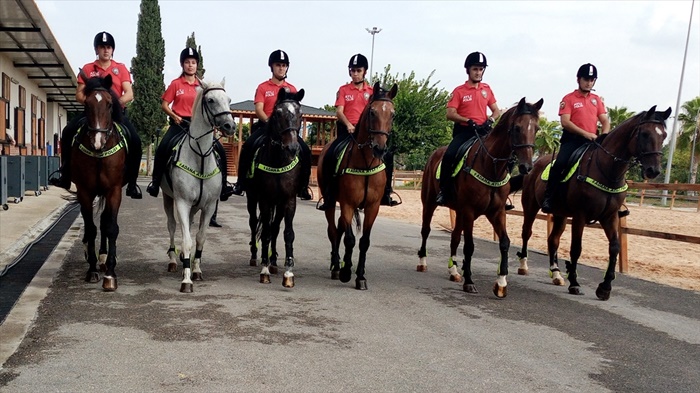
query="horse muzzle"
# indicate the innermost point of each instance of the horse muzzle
(651, 172)
(525, 168)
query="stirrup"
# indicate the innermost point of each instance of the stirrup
(306, 194)
(152, 189)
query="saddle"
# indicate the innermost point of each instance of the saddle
(462, 152)
(571, 166)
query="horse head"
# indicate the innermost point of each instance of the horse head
(523, 123)
(376, 120)
(285, 121)
(101, 110)
(213, 103)
(647, 140)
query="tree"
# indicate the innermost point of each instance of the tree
(688, 133)
(420, 125)
(618, 115)
(192, 43)
(147, 70)
(312, 138)
(547, 138)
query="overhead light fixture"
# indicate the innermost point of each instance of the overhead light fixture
(15, 81)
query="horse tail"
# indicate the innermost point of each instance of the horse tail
(516, 183)
(357, 220)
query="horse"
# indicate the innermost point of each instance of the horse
(193, 179)
(360, 184)
(273, 187)
(481, 187)
(597, 193)
(97, 169)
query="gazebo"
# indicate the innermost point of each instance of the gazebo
(244, 111)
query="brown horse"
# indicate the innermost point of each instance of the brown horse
(595, 192)
(97, 168)
(481, 187)
(360, 183)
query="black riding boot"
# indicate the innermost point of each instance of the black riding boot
(133, 160)
(388, 190)
(548, 196)
(67, 135)
(212, 221)
(226, 189)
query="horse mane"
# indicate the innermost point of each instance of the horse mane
(96, 83)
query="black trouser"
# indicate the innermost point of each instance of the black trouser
(569, 144)
(460, 134)
(245, 161)
(133, 160)
(165, 148)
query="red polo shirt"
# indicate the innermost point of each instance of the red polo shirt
(584, 110)
(471, 102)
(267, 94)
(181, 94)
(118, 71)
(353, 100)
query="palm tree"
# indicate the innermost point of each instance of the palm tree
(618, 115)
(688, 133)
(547, 139)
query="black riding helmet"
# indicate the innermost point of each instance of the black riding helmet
(103, 38)
(188, 53)
(358, 61)
(475, 59)
(588, 71)
(278, 56)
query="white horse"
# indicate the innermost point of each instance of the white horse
(193, 179)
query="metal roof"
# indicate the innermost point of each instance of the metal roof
(248, 106)
(27, 40)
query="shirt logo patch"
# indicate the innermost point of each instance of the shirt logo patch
(562, 105)
(115, 71)
(180, 92)
(269, 93)
(467, 98)
(366, 96)
(578, 105)
(349, 97)
(594, 102)
(484, 93)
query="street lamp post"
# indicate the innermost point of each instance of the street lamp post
(373, 31)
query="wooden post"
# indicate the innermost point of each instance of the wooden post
(623, 245)
(673, 195)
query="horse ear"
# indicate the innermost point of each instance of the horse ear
(522, 106)
(376, 89)
(204, 84)
(393, 91)
(666, 113)
(223, 82)
(300, 95)
(107, 82)
(538, 104)
(282, 94)
(82, 73)
(650, 113)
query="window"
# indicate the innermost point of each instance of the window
(4, 107)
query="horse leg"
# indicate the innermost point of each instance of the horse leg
(253, 225)
(102, 259)
(275, 223)
(498, 221)
(183, 213)
(558, 227)
(333, 236)
(200, 239)
(428, 211)
(288, 280)
(611, 231)
(455, 238)
(265, 245)
(110, 228)
(468, 249)
(529, 216)
(168, 206)
(368, 222)
(349, 243)
(92, 275)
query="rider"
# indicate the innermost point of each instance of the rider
(121, 85)
(350, 101)
(181, 93)
(579, 112)
(265, 98)
(467, 108)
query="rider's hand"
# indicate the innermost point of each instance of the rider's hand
(177, 119)
(590, 137)
(351, 129)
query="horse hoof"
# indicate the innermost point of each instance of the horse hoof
(197, 277)
(470, 288)
(264, 278)
(253, 262)
(500, 291)
(273, 269)
(288, 282)
(103, 267)
(456, 277)
(335, 274)
(602, 294)
(345, 275)
(575, 291)
(522, 272)
(559, 281)
(172, 267)
(92, 277)
(109, 284)
(361, 285)
(422, 268)
(186, 287)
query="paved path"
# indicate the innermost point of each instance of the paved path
(410, 332)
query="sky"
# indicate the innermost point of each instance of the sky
(534, 48)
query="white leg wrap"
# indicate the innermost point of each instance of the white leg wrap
(501, 281)
(265, 270)
(187, 276)
(557, 275)
(195, 265)
(103, 258)
(288, 274)
(423, 261)
(453, 270)
(523, 263)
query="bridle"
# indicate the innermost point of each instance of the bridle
(291, 128)
(372, 132)
(106, 131)
(211, 119)
(513, 146)
(640, 153)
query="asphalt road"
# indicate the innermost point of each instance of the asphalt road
(410, 332)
